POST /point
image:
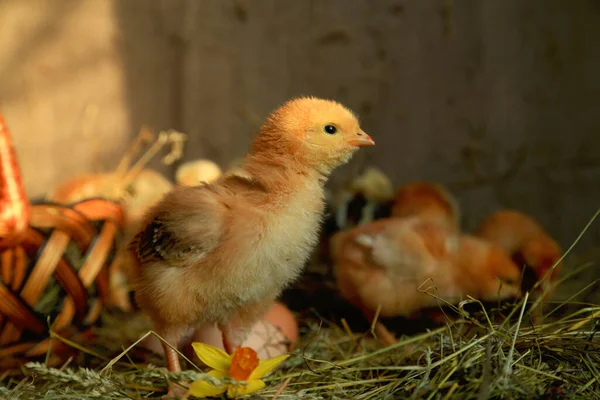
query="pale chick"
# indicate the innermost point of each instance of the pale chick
(197, 172)
(427, 200)
(526, 241)
(361, 201)
(235, 168)
(373, 187)
(403, 265)
(221, 253)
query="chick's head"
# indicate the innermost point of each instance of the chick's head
(540, 254)
(502, 276)
(429, 200)
(321, 134)
(486, 271)
(374, 184)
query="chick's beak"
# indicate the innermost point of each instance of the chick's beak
(361, 139)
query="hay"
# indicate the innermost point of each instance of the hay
(466, 359)
(482, 352)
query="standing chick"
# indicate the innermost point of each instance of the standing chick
(526, 241)
(427, 200)
(387, 264)
(222, 252)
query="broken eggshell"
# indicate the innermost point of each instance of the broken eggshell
(275, 334)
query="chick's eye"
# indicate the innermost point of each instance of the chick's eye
(330, 129)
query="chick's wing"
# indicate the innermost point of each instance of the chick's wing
(184, 228)
(406, 246)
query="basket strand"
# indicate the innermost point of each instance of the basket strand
(14, 207)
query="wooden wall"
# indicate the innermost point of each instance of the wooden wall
(498, 99)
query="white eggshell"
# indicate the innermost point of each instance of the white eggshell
(275, 334)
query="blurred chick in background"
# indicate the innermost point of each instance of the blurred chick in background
(197, 172)
(363, 200)
(527, 242)
(388, 263)
(235, 168)
(427, 200)
(485, 271)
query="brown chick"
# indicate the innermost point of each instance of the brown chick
(222, 252)
(397, 264)
(526, 241)
(427, 200)
(485, 271)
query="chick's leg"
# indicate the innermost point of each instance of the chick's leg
(383, 334)
(173, 364)
(172, 335)
(232, 338)
(235, 332)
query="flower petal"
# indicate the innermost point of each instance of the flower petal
(240, 390)
(201, 388)
(266, 366)
(212, 356)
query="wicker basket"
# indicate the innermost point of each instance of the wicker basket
(55, 263)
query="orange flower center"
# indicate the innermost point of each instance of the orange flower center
(243, 362)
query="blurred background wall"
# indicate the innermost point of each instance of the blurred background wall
(497, 99)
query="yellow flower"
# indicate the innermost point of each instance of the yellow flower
(243, 366)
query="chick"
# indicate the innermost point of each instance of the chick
(427, 200)
(391, 262)
(235, 168)
(482, 270)
(384, 262)
(485, 271)
(526, 241)
(360, 202)
(193, 173)
(222, 252)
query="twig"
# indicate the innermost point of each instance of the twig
(508, 364)
(147, 334)
(281, 388)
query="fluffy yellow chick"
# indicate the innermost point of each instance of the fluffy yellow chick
(222, 252)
